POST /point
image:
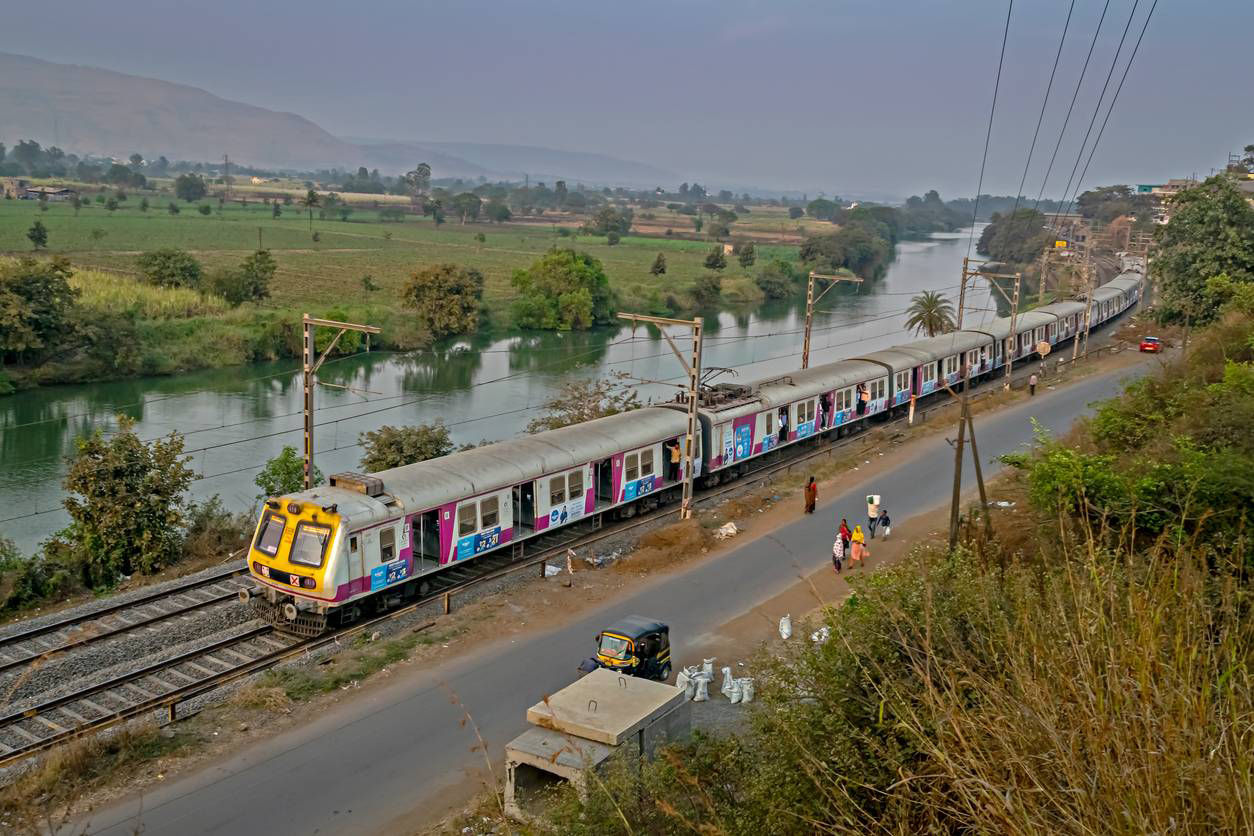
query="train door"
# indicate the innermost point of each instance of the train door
(525, 508)
(356, 556)
(427, 542)
(605, 482)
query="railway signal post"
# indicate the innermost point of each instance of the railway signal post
(811, 300)
(311, 365)
(693, 367)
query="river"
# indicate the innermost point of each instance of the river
(487, 387)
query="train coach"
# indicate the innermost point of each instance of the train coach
(323, 557)
(319, 556)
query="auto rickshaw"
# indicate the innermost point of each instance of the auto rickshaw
(636, 645)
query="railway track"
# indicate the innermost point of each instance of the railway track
(72, 632)
(165, 685)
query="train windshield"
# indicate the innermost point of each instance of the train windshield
(270, 534)
(310, 544)
(615, 647)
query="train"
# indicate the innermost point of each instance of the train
(364, 543)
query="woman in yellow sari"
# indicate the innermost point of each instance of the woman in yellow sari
(857, 547)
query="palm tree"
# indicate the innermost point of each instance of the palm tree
(309, 201)
(931, 312)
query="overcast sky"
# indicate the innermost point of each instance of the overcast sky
(878, 96)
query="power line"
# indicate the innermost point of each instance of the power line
(1079, 83)
(988, 135)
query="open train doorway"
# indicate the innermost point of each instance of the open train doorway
(525, 508)
(427, 554)
(605, 482)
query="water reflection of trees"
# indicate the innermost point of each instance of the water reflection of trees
(558, 352)
(442, 370)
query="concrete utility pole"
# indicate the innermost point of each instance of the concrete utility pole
(311, 366)
(967, 273)
(1088, 308)
(693, 367)
(811, 300)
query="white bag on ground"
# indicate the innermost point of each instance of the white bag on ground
(707, 668)
(821, 635)
(702, 683)
(733, 691)
(727, 682)
(684, 682)
(746, 689)
(785, 627)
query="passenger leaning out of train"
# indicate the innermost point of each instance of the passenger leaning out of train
(674, 463)
(863, 398)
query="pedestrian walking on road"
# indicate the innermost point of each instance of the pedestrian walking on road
(885, 523)
(1032, 385)
(812, 495)
(838, 553)
(845, 533)
(872, 512)
(858, 547)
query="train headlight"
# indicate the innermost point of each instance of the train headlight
(262, 569)
(308, 583)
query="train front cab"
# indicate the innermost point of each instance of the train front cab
(292, 560)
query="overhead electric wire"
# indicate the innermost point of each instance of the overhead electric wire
(988, 135)
(1075, 95)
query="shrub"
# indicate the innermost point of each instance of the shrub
(708, 289)
(563, 291)
(389, 447)
(284, 474)
(777, 280)
(170, 267)
(448, 299)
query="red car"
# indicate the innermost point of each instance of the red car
(1151, 344)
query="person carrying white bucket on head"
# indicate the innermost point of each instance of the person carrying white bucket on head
(872, 513)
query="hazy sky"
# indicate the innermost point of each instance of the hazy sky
(881, 96)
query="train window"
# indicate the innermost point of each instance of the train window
(387, 544)
(770, 423)
(352, 544)
(807, 411)
(646, 462)
(631, 467)
(557, 491)
(903, 381)
(575, 483)
(489, 512)
(929, 372)
(270, 534)
(310, 544)
(877, 389)
(467, 523)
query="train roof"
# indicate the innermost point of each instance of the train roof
(1063, 308)
(898, 358)
(434, 482)
(1107, 292)
(1000, 327)
(947, 345)
(1125, 282)
(815, 381)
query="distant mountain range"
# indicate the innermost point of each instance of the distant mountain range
(88, 110)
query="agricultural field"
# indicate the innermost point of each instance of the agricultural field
(329, 271)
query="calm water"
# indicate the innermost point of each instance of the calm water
(489, 387)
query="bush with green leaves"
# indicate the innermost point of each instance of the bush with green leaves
(37, 304)
(170, 267)
(249, 282)
(447, 299)
(389, 447)
(563, 291)
(777, 280)
(708, 290)
(284, 474)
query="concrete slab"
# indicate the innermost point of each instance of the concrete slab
(606, 707)
(556, 752)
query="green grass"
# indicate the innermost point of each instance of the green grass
(329, 271)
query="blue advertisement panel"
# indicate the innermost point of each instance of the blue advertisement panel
(805, 430)
(744, 441)
(638, 488)
(474, 544)
(388, 574)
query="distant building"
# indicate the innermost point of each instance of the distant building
(12, 187)
(257, 181)
(49, 192)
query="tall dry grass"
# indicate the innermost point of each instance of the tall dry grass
(116, 293)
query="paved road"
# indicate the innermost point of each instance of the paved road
(397, 750)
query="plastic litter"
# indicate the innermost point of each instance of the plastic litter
(821, 635)
(726, 530)
(550, 570)
(785, 627)
(746, 689)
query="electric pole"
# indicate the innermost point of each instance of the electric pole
(692, 366)
(811, 300)
(311, 366)
(967, 273)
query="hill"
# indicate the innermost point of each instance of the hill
(89, 110)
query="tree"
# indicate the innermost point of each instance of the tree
(467, 206)
(715, 259)
(311, 201)
(276, 211)
(173, 208)
(748, 255)
(608, 219)
(795, 212)
(586, 400)
(389, 447)
(284, 474)
(126, 503)
(1015, 239)
(190, 187)
(564, 290)
(1211, 233)
(143, 204)
(659, 265)
(697, 223)
(111, 205)
(205, 209)
(560, 192)
(36, 302)
(930, 312)
(137, 161)
(448, 298)
(170, 267)
(498, 212)
(417, 182)
(776, 280)
(821, 208)
(612, 238)
(708, 289)
(250, 282)
(344, 211)
(38, 234)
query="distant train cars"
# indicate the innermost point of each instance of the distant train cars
(322, 557)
